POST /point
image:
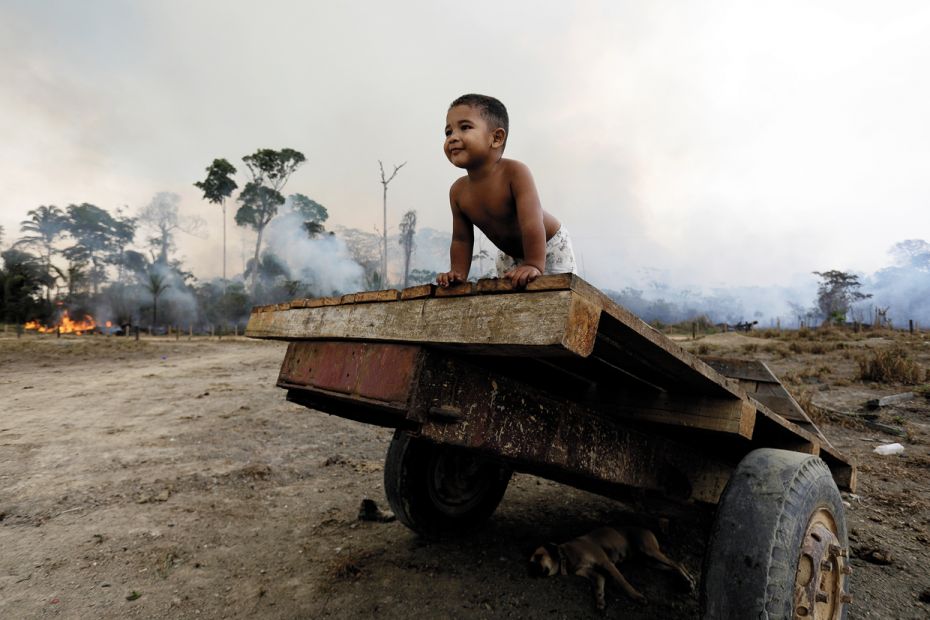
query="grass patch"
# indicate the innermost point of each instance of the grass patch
(892, 365)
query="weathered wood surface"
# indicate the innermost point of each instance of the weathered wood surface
(554, 315)
(581, 335)
(760, 383)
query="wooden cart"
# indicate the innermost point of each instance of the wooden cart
(558, 381)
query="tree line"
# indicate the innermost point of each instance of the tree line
(123, 267)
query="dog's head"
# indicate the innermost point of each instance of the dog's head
(545, 561)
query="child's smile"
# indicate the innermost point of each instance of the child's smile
(468, 138)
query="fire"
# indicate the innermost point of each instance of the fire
(66, 325)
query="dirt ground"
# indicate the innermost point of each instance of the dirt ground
(170, 479)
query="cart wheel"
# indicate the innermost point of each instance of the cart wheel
(778, 547)
(438, 490)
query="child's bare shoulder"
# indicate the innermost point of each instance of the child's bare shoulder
(457, 186)
(514, 168)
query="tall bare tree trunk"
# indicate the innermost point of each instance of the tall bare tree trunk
(384, 182)
(223, 204)
(258, 245)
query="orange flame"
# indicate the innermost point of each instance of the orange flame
(66, 325)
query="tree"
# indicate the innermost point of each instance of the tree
(408, 229)
(261, 197)
(838, 290)
(156, 285)
(44, 227)
(161, 217)
(125, 233)
(216, 188)
(20, 284)
(384, 183)
(99, 240)
(312, 212)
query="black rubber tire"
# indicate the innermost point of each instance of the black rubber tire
(752, 557)
(441, 491)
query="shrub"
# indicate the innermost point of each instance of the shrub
(892, 365)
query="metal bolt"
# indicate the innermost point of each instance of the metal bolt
(846, 597)
(826, 566)
(835, 550)
(802, 610)
(821, 597)
(846, 570)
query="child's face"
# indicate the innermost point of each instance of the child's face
(469, 139)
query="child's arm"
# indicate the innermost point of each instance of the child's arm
(460, 251)
(532, 229)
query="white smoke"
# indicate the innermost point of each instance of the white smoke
(324, 263)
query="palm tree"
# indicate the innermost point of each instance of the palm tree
(40, 232)
(217, 187)
(156, 286)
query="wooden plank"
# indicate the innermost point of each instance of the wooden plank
(319, 302)
(658, 360)
(745, 370)
(418, 292)
(714, 414)
(456, 290)
(555, 320)
(347, 299)
(554, 282)
(366, 297)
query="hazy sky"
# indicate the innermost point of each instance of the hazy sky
(718, 142)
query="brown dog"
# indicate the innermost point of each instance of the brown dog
(594, 555)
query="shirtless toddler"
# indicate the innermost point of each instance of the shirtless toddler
(499, 197)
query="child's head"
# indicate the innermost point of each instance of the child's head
(490, 109)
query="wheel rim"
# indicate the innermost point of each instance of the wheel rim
(822, 570)
(458, 482)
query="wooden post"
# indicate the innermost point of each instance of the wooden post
(58, 331)
(135, 328)
(778, 324)
(910, 323)
(693, 330)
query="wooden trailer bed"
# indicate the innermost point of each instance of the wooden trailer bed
(559, 339)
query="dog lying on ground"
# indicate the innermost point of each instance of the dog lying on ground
(594, 556)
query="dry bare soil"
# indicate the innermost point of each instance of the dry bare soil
(170, 479)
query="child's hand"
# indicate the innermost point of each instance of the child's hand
(450, 277)
(521, 275)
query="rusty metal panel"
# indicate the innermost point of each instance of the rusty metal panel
(378, 371)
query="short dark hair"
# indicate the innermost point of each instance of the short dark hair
(491, 109)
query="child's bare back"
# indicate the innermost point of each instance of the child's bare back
(499, 197)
